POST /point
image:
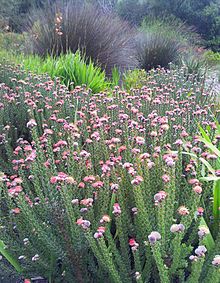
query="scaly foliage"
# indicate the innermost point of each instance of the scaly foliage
(103, 189)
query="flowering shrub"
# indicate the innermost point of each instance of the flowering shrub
(104, 188)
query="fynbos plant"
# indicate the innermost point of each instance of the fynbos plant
(101, 190)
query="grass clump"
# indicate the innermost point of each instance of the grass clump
(104, 38)
(163, 41)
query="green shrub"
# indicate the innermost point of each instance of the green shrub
(12, 42)
(212, 58)
(162, 41)
(195, 66)
(106, 189)
(135, 79)
(70, 68)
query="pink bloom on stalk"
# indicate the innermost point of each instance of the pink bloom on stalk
(178, 142)
(216, 261)
(200, 251)
(48, 132)
(200, 211)
(32, 123)
(96, 136)
(81, 185)
(159, 197)
(87, 202)
(154, 237)
(140, 140)
(89, 179)
(60, 143)
(14, 191)
(182, 210)
(85, 224)
(137, 180)
(177, 228)
(150, 164)
(127, 165)
(197, 189)
(98, 185)
(105, 219)
(144, 156)
(135, 150)
(53, 180)
(105, 168)
(101, 229)
(133, 244)
(166, 178)
(153, 134)
(122, 148)
(16, 210)
(84, 154)
(169, 161)
(116, 209)
(114, 187)
(193, 181)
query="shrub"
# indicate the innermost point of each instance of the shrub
(70, 68)
(212, 58)
(162, 41)
(12, 41)
(134, 79)
(102, 37)
(195, 66)
(106, 190)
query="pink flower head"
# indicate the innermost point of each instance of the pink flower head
(140, 140)
(166, 178)
(197, 189)
(216, 261)
(182, 210)
(98, 185)
(159, 197)
(200, 211)
(137, 180)
(89, 179)
(177, 228)
(154, 237)
(133, 244)
(116, 209)
(14, 191)
(200, 251)
(31, 124)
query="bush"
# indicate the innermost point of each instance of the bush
(162, 41)
(135, 79)
(102, 37)
(72, 69)
(212, 58)
(12, 41)
(104, 190)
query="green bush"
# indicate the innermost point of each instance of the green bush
(134, 79)
(72, 69)
(12, 42)
(212, 58)
(163, 41)
(109, 189)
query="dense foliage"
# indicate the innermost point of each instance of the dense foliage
(104, 38)
(108, 188)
